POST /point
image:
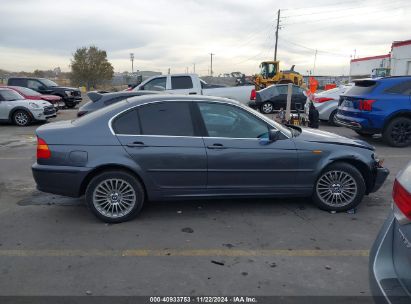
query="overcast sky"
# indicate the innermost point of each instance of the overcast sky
(43, 34)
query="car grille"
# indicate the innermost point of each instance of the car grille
(49, 110)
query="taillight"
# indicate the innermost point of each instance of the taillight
(253, 94)
(402, 198)
(366, 105)
(322, 99)
(43, 150)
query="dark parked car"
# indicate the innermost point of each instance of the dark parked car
(275, 97)
(390, 258)
(375, 106)
(160, 147)
(100, 100)
(70, 96)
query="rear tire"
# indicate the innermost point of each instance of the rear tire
(398, 132)
(340, 187)
(331, 120)
(22, 118)
(115, 196)
(267, 108)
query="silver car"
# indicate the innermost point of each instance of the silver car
(20, 111)
(390, 258)
(326, 102)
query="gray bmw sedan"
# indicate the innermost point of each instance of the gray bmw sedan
(159, 147)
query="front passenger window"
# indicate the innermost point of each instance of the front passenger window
(223, 120)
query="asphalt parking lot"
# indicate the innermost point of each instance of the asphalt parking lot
(51, 245)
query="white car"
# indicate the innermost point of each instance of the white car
(326, 102)
(191, 84)
(14, 108)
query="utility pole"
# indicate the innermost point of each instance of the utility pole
(194, 68)
(211, 66)
(276, 35)
(132, 62)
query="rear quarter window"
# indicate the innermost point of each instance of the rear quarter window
(181, 82)
(362, 87)
(403, 88)
(127, 123)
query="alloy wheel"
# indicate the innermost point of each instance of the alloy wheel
(336, 188)
(21, 118)
(267, 108)
(401, 132)
(114, 198)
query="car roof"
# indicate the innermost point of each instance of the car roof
(177, 97)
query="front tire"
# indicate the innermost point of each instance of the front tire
(340, 187)
(22, 118)
(115, 196)
(267, 108)
(398, 132)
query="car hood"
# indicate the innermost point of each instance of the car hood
(314, 135)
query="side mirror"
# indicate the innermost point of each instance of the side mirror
(273, 135)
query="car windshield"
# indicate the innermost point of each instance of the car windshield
(27, 91)
(49, 83)
(10, 95)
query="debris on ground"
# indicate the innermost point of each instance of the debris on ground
(187, 230)
(351, 211)
(228, 245)
(328, 267)
(89, 293)
(218, 262)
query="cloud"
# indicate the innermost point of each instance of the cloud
(175, 34)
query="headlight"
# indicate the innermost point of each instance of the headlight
(68, 93)
(34, 105)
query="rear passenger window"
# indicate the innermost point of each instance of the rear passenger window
(166, 118)
(403, 88)
(127, 123)
(362, 87)
(17, 82)
(181, 82)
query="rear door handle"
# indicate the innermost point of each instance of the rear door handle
(136, 144)
(192, 93)
(216, 146)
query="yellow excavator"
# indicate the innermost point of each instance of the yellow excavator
(270, 74)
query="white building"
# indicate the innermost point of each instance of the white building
(401, 58)
(362, 67)
(398, 60)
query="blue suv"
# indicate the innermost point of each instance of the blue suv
(378, 106)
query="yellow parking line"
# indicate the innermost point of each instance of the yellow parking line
(182, 253)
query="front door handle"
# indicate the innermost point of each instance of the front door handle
(136, 144)
(216, 146)
(192, 93)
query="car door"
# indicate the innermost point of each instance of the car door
(280, 100)
(182, 85)
(163, 143)
(36, 85)
(4, 108)
(298, 99)
(156, 84)
(238, 160)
